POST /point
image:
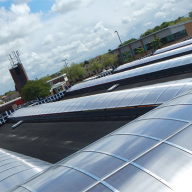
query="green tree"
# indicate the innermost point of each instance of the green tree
(148, 32)
(127, 56)
(77, 71)
(140, 50)
(156, 28)
(74, 71)
(53, 75)
(164, 25)
(9, 93)
(156, 43)
(46, 78)
(35, 89)
(86, 62)
(190, 14)
(94, 65)
(128, 41)
(109, 50)
(108, 60)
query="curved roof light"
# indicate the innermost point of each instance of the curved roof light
(16, 168)
(155, 58)
(152, 153)
(164, 65)
(174, 46)
(148, 95)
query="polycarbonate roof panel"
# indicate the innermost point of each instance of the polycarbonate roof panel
(131, 145)
(159, 128)
(104, 164)
(134, 72)
(176, 163)
(131, 178)
(175, 46)
(151, 153)
(148, 95)
(181, 138)
(60, 177)
(154, 58)
(100, 188)
(16, 168)
(21, 189)
(174, 112)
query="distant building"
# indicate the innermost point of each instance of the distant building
(19, 76)
(7, 98)
(168, 36)
(10, 105)
(58, 84)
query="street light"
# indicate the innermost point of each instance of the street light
(118, 36)
(67, 69)
(120, 42)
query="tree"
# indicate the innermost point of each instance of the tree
(140, 50)
(128, 41)
(156, 43)
(46, 78)
(190, 14)
(35, 89)
(74, 71)
(164, 25)
(148, 32)
(156, 28)
(94, 65)
(9, 93)
(53, 75)
(108, 60)
(109, 50)
(77, 71)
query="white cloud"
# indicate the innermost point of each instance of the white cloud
(129, 3)
(146, 9)
(64, 6)
(87, 30)
(160, 15)
(126, 20)
(22, 9)
(148, 23)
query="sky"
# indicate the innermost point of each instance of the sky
(45, 32)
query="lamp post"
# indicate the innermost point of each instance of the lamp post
(118, 36)
(67, 69)
(121, 45)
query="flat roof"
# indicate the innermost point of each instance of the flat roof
(63, 75)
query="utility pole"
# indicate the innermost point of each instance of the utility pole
(67, 68)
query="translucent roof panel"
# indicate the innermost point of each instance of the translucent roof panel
(155, 58)
(159, 159)
(151, 153)
(112, 145)
(104, 164)
(175, 46)
(135, 72)
(60, 177)
(16, 168)
(131, 178)
(148, 95)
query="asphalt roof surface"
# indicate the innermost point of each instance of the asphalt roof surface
(52, 142)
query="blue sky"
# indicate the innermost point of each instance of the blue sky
(47, 31)
(35, 5)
